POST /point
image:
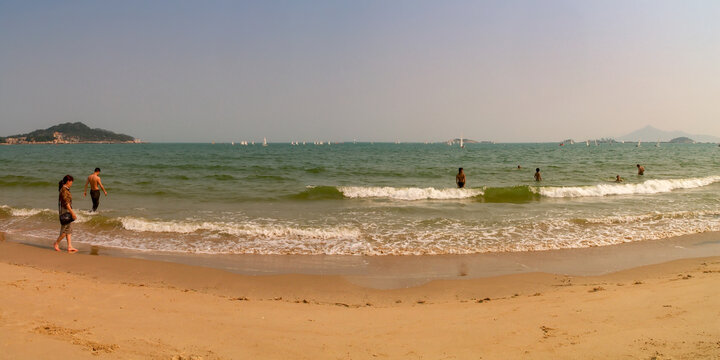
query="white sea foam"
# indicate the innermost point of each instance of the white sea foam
(646, 187)
(396, 237)
(409, 193)
(27, 212)
(244, 230)
(451, 237)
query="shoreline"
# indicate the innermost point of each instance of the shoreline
(398, 271)
(84, 306)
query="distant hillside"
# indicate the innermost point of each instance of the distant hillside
(68, 133)
(650, 133)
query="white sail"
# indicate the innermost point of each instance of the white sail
(264, 141)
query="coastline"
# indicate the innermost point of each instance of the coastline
(77, 143)
(81, 306)
(400, 271)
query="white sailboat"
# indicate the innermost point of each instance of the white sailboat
(638, 144)
(264, 141)
(462, 145)
(658, 143)
(587, 142)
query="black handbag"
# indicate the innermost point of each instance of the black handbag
(66, 218)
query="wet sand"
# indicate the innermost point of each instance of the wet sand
(391, 272)
(57, 305)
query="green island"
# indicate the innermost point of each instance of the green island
(69, 133)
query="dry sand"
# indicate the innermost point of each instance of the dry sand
(62, 306)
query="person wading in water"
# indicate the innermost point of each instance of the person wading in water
(65, 206)
(95, 186)
(460, 178)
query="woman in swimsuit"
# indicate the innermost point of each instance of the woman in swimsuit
(460, 178)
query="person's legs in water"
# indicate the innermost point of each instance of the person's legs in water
(95, 196)
(57, 242)
(65, 232)
(71, 249)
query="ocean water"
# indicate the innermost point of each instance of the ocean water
(363, 199)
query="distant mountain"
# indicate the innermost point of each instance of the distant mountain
(68, 133)
(650, 133)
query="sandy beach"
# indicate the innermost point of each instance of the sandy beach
(56, 305)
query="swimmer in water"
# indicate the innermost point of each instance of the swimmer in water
(641, 169)
(460, 178)
(538, 177)
(618, 179)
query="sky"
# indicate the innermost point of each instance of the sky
(405, 70)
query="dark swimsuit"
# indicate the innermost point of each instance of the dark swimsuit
(461, 184)
(95, 196)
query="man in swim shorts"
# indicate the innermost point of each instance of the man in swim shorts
(95, 186)
(641, 169)
(460, 178)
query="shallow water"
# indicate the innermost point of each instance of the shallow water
(369, 199)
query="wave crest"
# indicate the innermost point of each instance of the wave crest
(318, 193)
(646, 187)
(244, 230)
(409, 193)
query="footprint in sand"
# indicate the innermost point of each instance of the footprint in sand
(73, 336)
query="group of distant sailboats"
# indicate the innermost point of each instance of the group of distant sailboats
(639, 144)
(292, 143)
(587, 143)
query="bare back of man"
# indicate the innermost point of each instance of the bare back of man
(94, 181)
(95, 185)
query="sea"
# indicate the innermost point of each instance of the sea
(372, 199)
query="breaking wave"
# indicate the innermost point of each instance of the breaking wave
(408, 193)
(510, 194)
(646, 187)
(244, 230)
(318, 193)
(435, 236)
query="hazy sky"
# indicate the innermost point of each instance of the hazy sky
(371, 70)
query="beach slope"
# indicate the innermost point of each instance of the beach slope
(56, 305)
